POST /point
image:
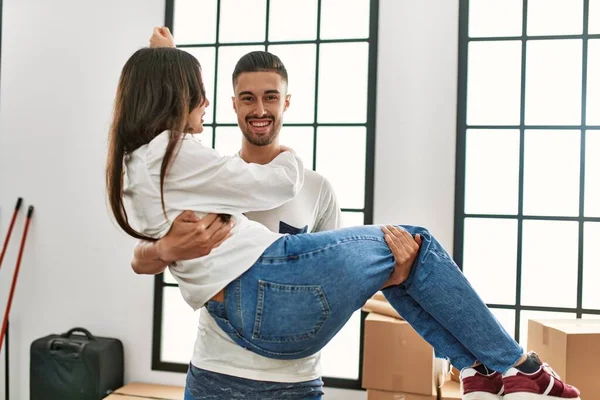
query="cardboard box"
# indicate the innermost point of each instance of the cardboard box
(146, 391)
(455, 375)
(450, 391)
(396, 358)
(373, 394)
(572, 348)
(381, 307)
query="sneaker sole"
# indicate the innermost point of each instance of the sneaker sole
(481, 396)
(534, 396)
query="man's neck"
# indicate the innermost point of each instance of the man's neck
(259, 154)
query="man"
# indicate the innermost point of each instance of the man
(220, 369)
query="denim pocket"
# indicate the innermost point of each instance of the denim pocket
(289, 313)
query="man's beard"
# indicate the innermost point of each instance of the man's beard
(262, 140)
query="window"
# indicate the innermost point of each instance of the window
(527, 220)
(331, 62)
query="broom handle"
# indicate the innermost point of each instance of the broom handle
(10, 228)
(14, 282)
(6, 369)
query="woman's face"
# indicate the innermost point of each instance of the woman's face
(195, 120)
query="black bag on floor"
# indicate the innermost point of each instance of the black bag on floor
(75, 367)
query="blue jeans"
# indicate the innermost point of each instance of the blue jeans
(206, 385)
(304, 288)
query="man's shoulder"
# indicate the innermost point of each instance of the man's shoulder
(311, 189)
(317, 183)
(312, 174)
(316, 178)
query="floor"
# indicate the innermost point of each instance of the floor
(341, 394)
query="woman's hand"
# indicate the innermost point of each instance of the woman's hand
(405, 249)
(162, 37)
(191, 237)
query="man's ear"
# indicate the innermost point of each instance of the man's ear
(233, 103)
(286, 105)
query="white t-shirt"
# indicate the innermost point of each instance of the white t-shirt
(201, 180)
(314, 209)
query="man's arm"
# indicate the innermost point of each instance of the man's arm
(146, 259)
(189, 237)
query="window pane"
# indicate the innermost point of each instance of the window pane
(553, 82)
(594, 18)
(207, 136)
(300, 63)
(228, 140)
(527, 315)
(292, 20)
(506, 319)
(590, 316)
(234, 22)
(340, 64)
(494, 83)
(495, 18)
(592, 116)
(187, 27)
(492, 171)
(228, 57)
(344, 169)
(592, 173)
(554, 17)
(591, 265)
(340, 357)
(300, 139)
(551, 172)
(344, 19)
(206, 57)
(549, 278)
(177, 343)
(490, 258)
(352, 219)
(167, 277)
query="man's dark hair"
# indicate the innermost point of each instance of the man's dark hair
(259, 61)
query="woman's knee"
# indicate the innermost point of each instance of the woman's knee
(415, 229)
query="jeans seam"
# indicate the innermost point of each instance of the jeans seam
(259, 310)
(239, 304)
(343, 241)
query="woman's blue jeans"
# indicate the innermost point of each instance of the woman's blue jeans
(304, 288)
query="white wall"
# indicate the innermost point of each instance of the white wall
(416, 115)
(60, 64)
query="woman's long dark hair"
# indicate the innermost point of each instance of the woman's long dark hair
(158, 89)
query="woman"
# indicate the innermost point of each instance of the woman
(286, 296)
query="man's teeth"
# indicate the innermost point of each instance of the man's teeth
(260, 124)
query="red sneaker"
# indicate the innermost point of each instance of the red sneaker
(477, 386)
(540, 385)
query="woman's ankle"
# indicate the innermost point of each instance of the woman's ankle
(521, 360)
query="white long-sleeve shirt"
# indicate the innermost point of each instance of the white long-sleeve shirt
(201, 180)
